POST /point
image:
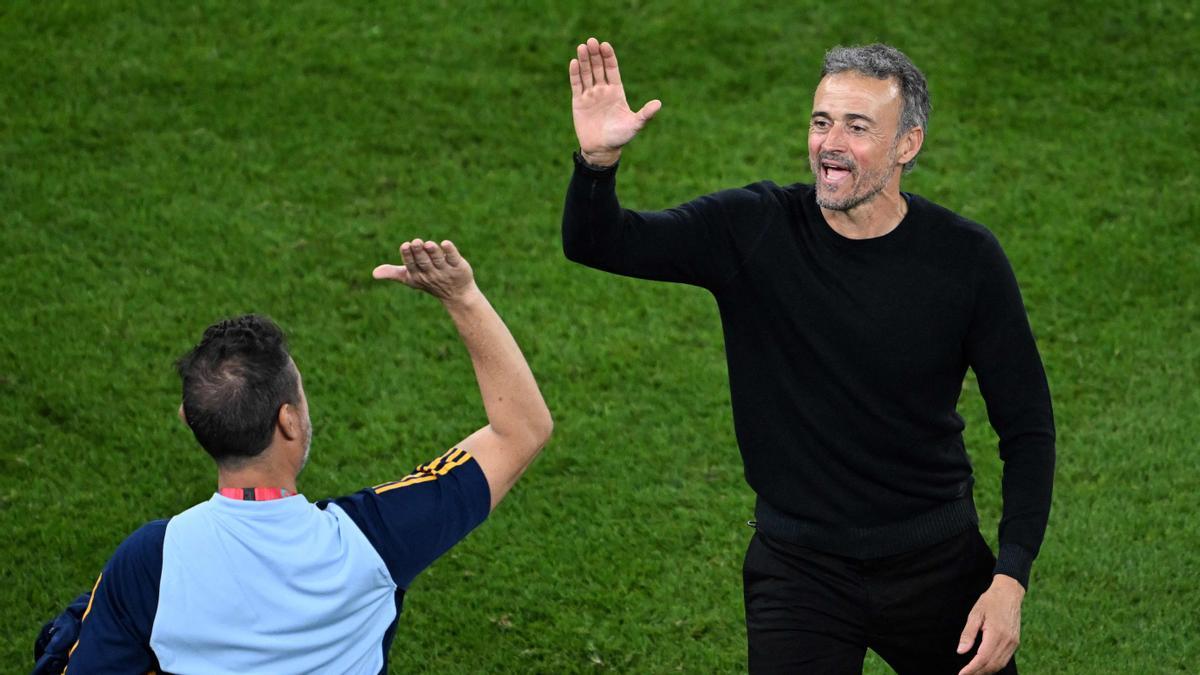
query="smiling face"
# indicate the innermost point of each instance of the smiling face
(853, 146)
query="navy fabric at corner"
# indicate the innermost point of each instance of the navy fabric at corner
(285, 585)
(57, 637)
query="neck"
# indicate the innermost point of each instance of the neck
(874, 218)
(256, 475)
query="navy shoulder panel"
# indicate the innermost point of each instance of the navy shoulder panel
(114, 635)
(412, 521)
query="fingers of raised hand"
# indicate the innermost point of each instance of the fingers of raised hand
(612, 74)
(436, 256)
(453, 257)
(406, 253)
(585, 67)
(576, 77)
(649, 110)
(596, 60)
(430, 266)
(420, 256)
(393, 272)
(595, 63)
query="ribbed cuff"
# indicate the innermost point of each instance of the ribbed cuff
(1014, 561)
(593, 170)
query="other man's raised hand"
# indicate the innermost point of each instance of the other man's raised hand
(437, 269)
(603, 121)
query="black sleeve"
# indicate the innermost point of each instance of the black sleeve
(1001, 350)
(703, 242)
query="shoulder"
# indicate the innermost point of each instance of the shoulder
(953, 232)
(452, 481)
(770, 193)
(134, 571)
(756, 195)
(792, 201)
(756, 207)
(130, 580)
(413, 520)
(797, 192)
(143, 547)
(947, 222)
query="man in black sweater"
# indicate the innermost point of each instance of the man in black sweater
(851, 312)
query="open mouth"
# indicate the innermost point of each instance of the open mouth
(834, 172)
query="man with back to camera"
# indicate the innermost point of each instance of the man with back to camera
(851, 311)
(258, 579)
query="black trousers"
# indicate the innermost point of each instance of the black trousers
(811, 612)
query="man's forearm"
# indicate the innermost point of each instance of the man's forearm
(592, 216)
(514, 405)
(1026, 487)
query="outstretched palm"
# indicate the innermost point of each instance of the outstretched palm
(603, 120)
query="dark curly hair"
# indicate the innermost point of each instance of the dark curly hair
(234, 383)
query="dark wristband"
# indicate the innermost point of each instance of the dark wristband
(595, 168)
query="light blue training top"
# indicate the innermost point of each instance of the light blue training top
(278, 586)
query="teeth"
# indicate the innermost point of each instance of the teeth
(833, 173)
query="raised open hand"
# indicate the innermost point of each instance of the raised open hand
(603, 120)
(437, 269)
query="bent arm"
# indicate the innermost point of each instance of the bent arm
(703, 242)
(519, 422)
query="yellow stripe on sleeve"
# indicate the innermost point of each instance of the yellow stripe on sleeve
(88, 610)
(405, 483)
(424, 473)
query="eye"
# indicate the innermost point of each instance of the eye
(858, 128)
(820, 124)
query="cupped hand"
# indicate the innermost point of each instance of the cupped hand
(997, 614)
(437, 269)
(603, 120)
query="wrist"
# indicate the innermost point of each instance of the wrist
(600, 159)
(463, 298)
(1014, 561)
(1009, 584)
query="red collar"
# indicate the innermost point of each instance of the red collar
(255, 494)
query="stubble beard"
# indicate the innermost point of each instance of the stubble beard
(307, 443)
(875, 182)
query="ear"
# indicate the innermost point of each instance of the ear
(288, 421)
(910, 145)
(183, 415)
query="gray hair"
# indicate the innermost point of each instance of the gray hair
(884, 62)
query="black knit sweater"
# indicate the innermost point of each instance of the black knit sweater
(846, 359)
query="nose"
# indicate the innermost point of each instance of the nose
(835, 138)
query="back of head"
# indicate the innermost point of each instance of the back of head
(884, 62)
(234, 383)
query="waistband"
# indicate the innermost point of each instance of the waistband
(926, 529)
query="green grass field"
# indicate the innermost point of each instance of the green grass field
(163, 165)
